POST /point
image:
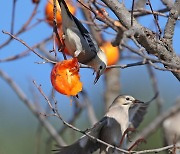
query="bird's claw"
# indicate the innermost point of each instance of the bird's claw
(126, 132)
(137, 142)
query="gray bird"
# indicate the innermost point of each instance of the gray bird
(124, 110)
(171, 128)
(80, 43)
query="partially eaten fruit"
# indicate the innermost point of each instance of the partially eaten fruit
(65, 77)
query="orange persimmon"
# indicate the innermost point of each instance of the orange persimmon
(65, 77)
(49, 11)
(112, 53)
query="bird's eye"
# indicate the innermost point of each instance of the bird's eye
(127, 98)
(100, 67)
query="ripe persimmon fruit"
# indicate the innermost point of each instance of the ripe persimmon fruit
(49, 11)
(112, 53)
(65, 77)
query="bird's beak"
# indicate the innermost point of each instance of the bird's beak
(137, 101)
(97, 77)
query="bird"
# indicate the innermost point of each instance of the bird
(124, 111)
(80, 42)
(171, 129)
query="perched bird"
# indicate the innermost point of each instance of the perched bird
(80, 43)
(110, 129)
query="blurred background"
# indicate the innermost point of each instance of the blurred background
(20, 131)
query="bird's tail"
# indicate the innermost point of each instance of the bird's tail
(64, 8)
(71, 149)
(83, 146)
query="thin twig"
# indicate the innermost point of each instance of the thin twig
(155, 18)
(155, 88)
(171, 23)
(132, 11)
(30, 48)
(26, 52)
(90, 109)
(13, 16)
(149, 58)
(23, 28)
(50, 129)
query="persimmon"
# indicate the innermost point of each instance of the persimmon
(112, 53)
(65, 77)
(61, 44)
(49, 11)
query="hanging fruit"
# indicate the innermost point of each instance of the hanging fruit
(49, 11)
(112, 53)
(65, 77)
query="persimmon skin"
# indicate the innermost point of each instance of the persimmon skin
(65, 77)
(112, 53)
(49, 12)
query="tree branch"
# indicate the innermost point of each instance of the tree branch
(50, 129)
(170, 25)
(144, 36)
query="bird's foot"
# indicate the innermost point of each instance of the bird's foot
(137, 142)
(126, 133)
(62, 44)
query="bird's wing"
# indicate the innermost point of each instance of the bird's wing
(136, 113)
(85, 145)
(91, 42)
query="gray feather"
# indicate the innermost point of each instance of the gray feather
(84, 145)
(136, 113)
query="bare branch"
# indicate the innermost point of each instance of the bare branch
(155, 18)
(155, 88)
(157, 150)
(23, 28)
(91, 112)
(170, 26)
(168, 3)
(144, 36)
(50, 129)
(30, 48)
(26, 52)
(13, 16)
